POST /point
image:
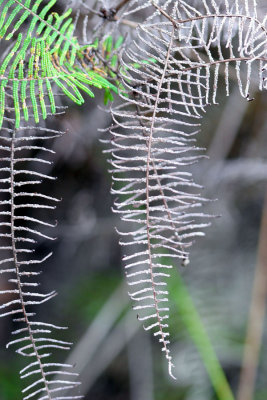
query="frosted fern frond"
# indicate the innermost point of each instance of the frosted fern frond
(153, 133)
(19, 233)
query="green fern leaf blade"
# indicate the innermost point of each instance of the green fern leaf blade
(23, 90)
(16, 103)
(66, 47)
(34, 63)
(114, 61)
(79, 99)
(15, 88)
(119, 42)
(77, 82)
(46, 25)
(107, 46)
(48, 29)
(100, 82)
(62, 30)
(2, 100)
(35, 18)
(59, 31)
(31, 60)
(43, 14)
(108, 97)
(5, 12)
(21, 20)
(37, 60)
(44, 59)
(10, 20)
(73, 55)
(24, 83)
(34, 101)
(21, 54)
(41, 97)
(10, 55)
(51, 96)
(47, 72)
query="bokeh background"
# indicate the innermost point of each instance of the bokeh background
(117, 360)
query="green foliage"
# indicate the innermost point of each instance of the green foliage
(55, 29)
(10, 388)
(48, 54)
(99, 289)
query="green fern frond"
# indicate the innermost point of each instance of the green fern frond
(31, 81)
(48, 54)
(18, 12)
(56, 30)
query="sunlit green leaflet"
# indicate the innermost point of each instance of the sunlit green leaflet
(49, 53)
(55, 29)
(31, 80)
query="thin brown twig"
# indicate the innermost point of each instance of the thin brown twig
(120, 5)
(126, 22)
(175, 23)
(110, 14)
(256, 318)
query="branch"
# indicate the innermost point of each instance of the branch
(120, 5)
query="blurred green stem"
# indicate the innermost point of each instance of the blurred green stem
(199, 336)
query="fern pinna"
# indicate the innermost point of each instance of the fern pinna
(153, 133)
(48, 54)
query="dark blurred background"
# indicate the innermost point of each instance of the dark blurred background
(117, 360)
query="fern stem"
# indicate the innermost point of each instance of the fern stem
(17, 266)
(149, 159)
(120, 5)
(199, 336)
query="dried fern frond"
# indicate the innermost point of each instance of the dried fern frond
(20, 197)
(153, 132)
